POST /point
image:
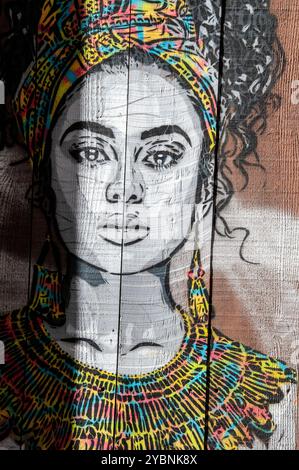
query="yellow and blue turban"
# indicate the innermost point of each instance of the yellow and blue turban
(76, 35)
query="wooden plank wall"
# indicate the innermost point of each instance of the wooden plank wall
(254, 303)
(258, 304)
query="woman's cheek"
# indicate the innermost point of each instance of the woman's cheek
(179, 187)
(91, 187)
(160, 187)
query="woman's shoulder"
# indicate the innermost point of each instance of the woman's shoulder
(244, 384)
(235, 357)
(12, 366)
(9, 319)
(13, 333)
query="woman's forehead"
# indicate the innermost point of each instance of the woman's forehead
(146, 99)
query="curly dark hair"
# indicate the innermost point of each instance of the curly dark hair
(253, 60)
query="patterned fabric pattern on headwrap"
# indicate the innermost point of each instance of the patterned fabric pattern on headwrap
(74, 36)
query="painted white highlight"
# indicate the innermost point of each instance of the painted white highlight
(2, 92)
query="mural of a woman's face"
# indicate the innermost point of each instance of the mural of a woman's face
(125, 165)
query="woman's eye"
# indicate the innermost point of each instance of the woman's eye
(162, 159)
(89, 154)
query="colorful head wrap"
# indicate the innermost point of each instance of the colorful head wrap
(76, 35)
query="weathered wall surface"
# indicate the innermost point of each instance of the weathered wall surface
(258, 304)
(254, 303)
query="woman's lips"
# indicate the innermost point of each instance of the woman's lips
(120, 231)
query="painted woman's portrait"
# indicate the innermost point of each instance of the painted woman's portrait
(128, 114)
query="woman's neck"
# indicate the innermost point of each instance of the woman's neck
(120, 323)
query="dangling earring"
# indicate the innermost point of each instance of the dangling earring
(48, 288)
(198, 294)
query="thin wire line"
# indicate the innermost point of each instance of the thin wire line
(123, 219)
(214, 219)
(29, 254)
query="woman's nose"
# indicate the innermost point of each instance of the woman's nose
(130, 191)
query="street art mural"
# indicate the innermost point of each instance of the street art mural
(118, 109)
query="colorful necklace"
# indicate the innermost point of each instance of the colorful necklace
(51, 401)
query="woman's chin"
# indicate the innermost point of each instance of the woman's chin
(126, 260)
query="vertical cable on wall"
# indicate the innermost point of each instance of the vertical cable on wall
(36, 11)
(123, 220)
(214, 217)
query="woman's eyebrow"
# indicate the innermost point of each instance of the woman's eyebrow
(162, 130)
(89, 126)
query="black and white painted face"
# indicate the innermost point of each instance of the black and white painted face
(125, 168)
